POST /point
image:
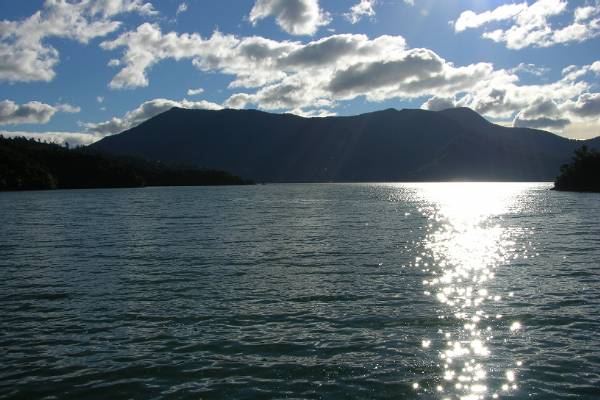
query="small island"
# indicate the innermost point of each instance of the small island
(27, 164)
(582, 174)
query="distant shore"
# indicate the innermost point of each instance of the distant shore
(26, 164)
(582, 174)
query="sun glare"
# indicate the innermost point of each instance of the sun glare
(465, 245)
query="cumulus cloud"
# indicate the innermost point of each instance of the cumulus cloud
(469, 19)
(573, 72)
(529, 68)
(554, 106)
(504, 101)
(67, 108)
(144, 111)
(147, 45)
(25, 54)
(238, 100)
(33, 112)
(436, 103)
(315, 76)
(584, 13)
(531, 25)
(195, 92)
(296, 17)
(114, 62)
(291, 75)
(254, 61)
(409, 74)
(73, 138)
(369, 76)
(364, 8)
(312, 113)
(587, 105)
(542, 113)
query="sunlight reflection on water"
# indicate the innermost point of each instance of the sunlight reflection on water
(463, 247)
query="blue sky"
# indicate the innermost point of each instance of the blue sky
(78, 70)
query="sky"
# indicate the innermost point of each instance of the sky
(79, 70)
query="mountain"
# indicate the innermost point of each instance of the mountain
(388, 145)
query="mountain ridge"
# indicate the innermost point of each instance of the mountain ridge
(385, 145)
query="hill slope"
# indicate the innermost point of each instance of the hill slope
(388, 145)
(26, 164)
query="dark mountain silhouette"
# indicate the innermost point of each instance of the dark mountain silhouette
(388, 145)
(26, 164)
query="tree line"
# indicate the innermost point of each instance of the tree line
(582, 174)
(29, 164)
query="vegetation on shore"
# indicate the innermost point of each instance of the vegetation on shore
(582, 174)
(27, 164)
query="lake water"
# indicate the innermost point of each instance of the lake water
(330, 291)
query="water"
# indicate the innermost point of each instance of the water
(301, 291)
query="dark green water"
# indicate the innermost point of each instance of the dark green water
(330, 291)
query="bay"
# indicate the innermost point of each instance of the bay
(435, 290)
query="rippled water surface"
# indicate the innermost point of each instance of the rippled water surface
(301, 291)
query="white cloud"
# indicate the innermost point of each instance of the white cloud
(110, 8)
(587, 105)
(73, 138)
(100, 99)
(114, 63)
(144, 111)
(543, 113)
(317, 75)
(25, 54)
(254, 61)
(469, 19)
(312, 113)
(362, 9)
(531, 25)
(195, 92)
(290, 75)
(585, 13)
(436, 103)
(531, 69)
(147, 45)
(181, 9)
(33, 112)
(567, 106)
(503, 99)
(296, 17)
(67, 108)
(573, 72)
(238, 100)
